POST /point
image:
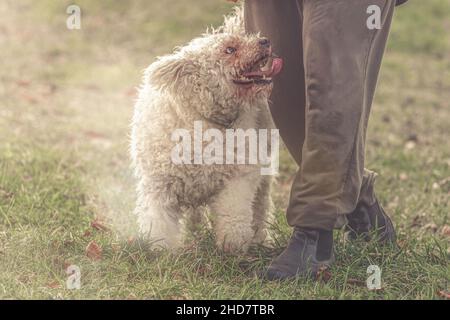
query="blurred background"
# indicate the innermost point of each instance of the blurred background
(66, 98)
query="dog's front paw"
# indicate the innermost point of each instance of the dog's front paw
(263, 237)
(233, 244)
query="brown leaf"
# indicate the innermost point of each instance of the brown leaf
(23, 83)
(5, 194)
(94, 251)
(87, 234)
(98, 225)
(402, 243)
(444, 294)
(430, 227)
(66, 264)
(323, 275)
(131, 240)
(54, 285)
(29, 98)
(445, 231)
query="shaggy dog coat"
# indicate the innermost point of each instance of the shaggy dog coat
(202, 81)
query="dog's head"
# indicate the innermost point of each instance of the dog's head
(221, 66)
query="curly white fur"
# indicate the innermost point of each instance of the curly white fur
(195, 84)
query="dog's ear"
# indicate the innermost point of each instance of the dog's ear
(173, 72)
(234, 23)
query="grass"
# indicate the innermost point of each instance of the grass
(65, 102)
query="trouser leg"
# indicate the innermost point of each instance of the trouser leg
(342, 57)
(281, 22)
(321, 100)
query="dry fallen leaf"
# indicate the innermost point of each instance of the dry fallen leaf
(23, 83)
(66, 264)
(430, 227)
(401, 243)
(29, 98)
(87, 234)
(444, 294)
(98, 225)
(131, 240)
(54, 285)
(94, 251)
(323, 275)
(5, 194)
(445, 231)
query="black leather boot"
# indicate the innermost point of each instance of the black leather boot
(307, 252)
(368, 221)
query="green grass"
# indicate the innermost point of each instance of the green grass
(65, 106)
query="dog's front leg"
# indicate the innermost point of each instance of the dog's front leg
(159, 224)
(232, 213)
(262, 212)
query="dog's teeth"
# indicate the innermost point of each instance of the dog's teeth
(268, 65)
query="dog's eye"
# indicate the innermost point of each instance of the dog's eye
(230, 50)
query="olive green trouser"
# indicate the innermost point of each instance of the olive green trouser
(322, 99)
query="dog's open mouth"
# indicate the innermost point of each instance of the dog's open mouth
(261, 72)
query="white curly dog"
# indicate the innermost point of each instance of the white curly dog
(222, 79)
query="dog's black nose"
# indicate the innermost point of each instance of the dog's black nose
(264, 42)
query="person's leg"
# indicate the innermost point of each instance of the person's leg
(281, 22)
(342, 57)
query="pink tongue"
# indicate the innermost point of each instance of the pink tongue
(277, 65)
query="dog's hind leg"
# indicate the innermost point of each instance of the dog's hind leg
(159, 224)
(262, 211)
(232, 213)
